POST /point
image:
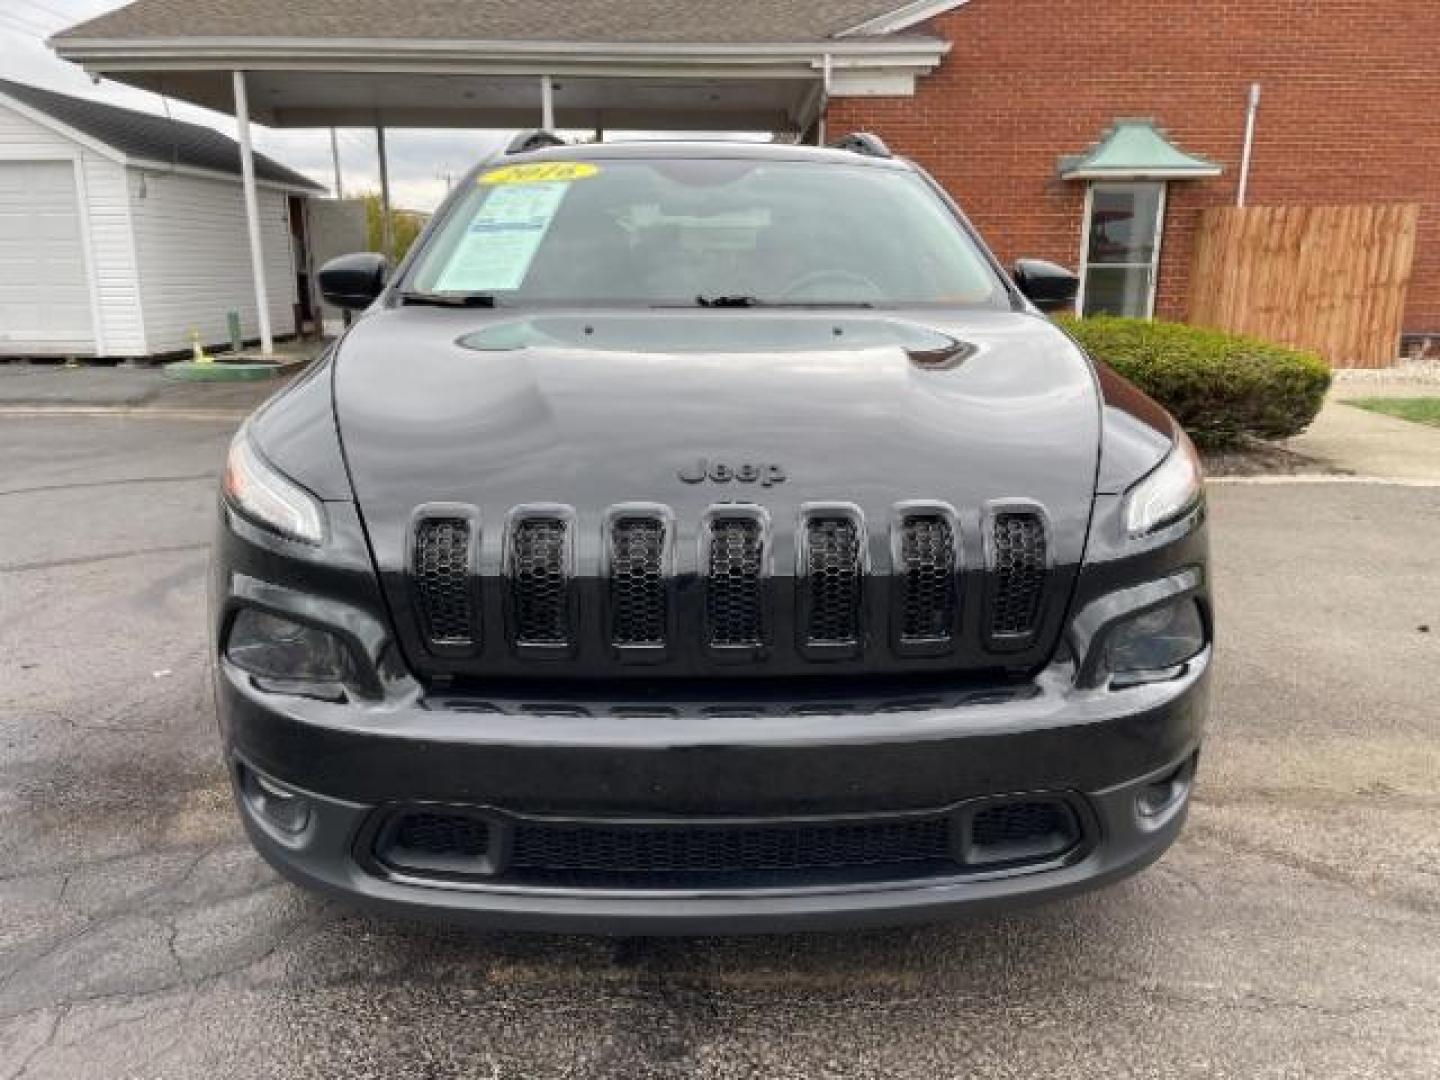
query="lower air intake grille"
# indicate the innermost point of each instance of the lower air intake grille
(1023, 830)
(558, 849)
(539, 585)
(442, 581)
(927, 557)
(1019, 574)
(733, 606)
(638, 597)
(460, 842)
(834, 579)
(441, 834)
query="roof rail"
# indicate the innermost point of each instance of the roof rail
(525, 141)
(862, 142)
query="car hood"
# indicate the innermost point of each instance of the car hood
(591, 410)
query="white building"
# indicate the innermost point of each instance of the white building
(122, 233)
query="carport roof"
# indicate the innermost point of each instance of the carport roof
(146, 138)
(742, 65)
(594, 21)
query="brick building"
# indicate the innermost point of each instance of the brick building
(1010, 103)
(1349, 112)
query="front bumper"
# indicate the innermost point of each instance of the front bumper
(1100, 748)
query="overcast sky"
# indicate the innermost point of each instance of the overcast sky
(418, 159)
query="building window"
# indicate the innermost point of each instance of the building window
(1120, 248)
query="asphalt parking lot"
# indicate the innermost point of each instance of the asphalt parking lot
(1293, 932)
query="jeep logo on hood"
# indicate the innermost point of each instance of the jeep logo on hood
(723, 472)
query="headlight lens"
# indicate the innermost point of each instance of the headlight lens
(273, 647)
(1161, 638)
(1168, 493)
(261, 493)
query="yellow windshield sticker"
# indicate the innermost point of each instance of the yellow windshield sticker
(540, 172)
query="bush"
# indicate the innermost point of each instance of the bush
(1221, 388)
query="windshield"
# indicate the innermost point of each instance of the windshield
(707, 231)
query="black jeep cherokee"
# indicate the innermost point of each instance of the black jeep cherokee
(708, 537)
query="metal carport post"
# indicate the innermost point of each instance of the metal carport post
(252, 212)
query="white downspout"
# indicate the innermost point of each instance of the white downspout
(252, 211)
(1250, 112)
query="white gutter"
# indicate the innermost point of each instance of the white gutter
(229, 49)
(1251, 109)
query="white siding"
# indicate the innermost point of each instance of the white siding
(106, 229)
(195, 258)
(45, 300)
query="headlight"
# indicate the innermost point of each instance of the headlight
(279, 649)
(262, 494)
(1168, 493)
(1155, 640)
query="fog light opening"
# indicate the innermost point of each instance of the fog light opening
(282, 809)
(1158, 799)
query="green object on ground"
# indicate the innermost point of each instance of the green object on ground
(1222, 388)
(1422, 410)
(237, 340)
(217, 371)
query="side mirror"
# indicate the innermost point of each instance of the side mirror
(1048, 286)
(354, 281)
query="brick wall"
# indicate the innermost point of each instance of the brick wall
(1350, 113)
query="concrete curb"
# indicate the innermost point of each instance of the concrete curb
(220, 371)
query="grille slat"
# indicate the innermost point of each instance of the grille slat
(1018, 574)
(442, 581)
(639, 600)
(834, 579)
(539, 581)
(927, 584)
(734, 610)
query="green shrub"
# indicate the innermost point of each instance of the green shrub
(1221, 388)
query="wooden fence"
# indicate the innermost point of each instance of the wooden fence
(1327, 278)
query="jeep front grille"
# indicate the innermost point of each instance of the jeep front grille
(442, 581)
(734, 582)
(642, 585)
(1017, 575)
(639, 593)
(540, 580)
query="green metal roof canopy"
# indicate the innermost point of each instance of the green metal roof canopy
(1136, 149)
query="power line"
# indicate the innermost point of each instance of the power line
(16, 25)
(62, 15)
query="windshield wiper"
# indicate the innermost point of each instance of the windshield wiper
(743, 301)
(733, 300)
(457, 299)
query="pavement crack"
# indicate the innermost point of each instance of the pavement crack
(1419, 904)
(48, 1041)
(84, 560)
(80, 485)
